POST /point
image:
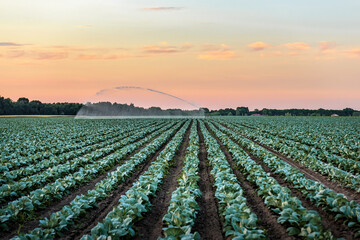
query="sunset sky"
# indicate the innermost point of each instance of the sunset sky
(260, 54)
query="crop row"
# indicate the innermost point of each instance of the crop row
(330, 201)
(337, 136)
(136, 201)
(309, 160)
(317, 151)
(67, 216)
(183, 206)
(302, 222)
(25, 137)
(24, 207)
(25, 185)
(49, 141)
(238, 219)
(17, 177)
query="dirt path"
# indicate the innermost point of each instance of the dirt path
(207, 222)
(267, 219)
(335, 186)
(107, 205)
(151, 225)
(338, 229)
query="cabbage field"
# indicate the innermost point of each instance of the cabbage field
(213, 178)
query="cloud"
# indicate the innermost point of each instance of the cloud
(354, 52)
(327, 45)
(214, 52)
(9, 44)
(164, 47)
(58, 52)
(162, 9)
(98, 57)
(258, 46)
(15, 54)
(51, 55)
(160, 49)
(297, 46)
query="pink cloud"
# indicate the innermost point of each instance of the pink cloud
(15, 53)
(164, 48)
(354, 52)
(258, 46)
(98, 57)
(327, 45)
(213, 52)
(51, 55)
(297, 46)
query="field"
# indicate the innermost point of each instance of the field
(214, 178)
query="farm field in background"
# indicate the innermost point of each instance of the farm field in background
(213, 178)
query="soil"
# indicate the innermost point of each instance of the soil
(338, 228)
(73, 157)
(105, 206)
(267, 219)
(151, 225)
(207, 222)
(57, 205)
(50, 180)
(351, 194)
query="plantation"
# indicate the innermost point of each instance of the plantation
(213, 178)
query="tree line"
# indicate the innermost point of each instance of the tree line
(25, 107)
(244, 111)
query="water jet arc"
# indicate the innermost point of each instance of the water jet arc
(151, 90)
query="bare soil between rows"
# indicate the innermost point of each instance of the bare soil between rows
(96, 215)
(350, 194)
(338, 228)
(150, 226)
(57, 205)
(73, 150)
(267, 218)
(51, 180)
(207, 223)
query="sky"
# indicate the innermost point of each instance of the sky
(215, 53)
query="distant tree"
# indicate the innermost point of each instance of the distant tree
(242, 111)
(265, 111)
(206, 111)
(348, 111)
(215, 113)
(23, 100)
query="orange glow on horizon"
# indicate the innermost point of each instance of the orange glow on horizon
(53, 52)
